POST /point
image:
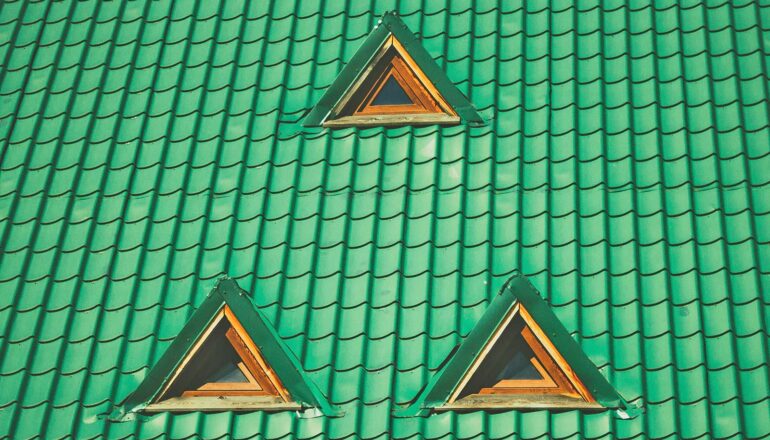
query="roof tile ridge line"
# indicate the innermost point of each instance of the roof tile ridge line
(293, 196)
(399, 300)
(543, 187)
(16, 413)
(374, 258)
(346, 221)
(5, 234)
(98, 203)
(216, 274)
(690, 194)
(298, 161)
(755, 251)
(487, 213)
(133, 175)
(70, 204)
(270, 162)
(13, 36)
(241, 178)
(116, 128)
(584, 364)
(422, 303)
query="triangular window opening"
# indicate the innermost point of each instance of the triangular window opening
(392, 89)
(520, 360)
(391, 93)
(224, 362)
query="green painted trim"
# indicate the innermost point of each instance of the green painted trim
(276, 353)
(516, 289)
(389, 24)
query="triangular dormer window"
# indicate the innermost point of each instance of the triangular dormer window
(521, 360)
(518, 356)
(391, 80)
(224, 362)
(227, 357)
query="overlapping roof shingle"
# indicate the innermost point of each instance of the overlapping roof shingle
(150, 148)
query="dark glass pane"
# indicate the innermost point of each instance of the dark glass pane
(215, 361)
(392, 94)
(509, 359)
(228, 373)
(520, 367)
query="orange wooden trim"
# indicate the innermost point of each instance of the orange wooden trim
(535, 390)
(554, 370)
(411, 80)
(228, 386)
(545, 382)
(426, 82)
(395, 68)
(262, 378)
(201, 393)
(540, 335)
(250, 360)
(559, 378)
(541, 369)
(392, 60)
(252, 383)
(561, 382)
(246, 372)
(352, 97)
(264, 367)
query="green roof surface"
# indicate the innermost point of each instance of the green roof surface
(624, 169)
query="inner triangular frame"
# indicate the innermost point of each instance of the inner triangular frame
(261, 380)
(392, 61)
(557, 377)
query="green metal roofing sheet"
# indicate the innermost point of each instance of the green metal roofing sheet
(149, 149)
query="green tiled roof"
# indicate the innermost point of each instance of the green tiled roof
(149, 149)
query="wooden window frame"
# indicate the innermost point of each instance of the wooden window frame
(263, 391)
(554, 381)
(422, 102)
(568, 392)
(258, 383)
(355, 109)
